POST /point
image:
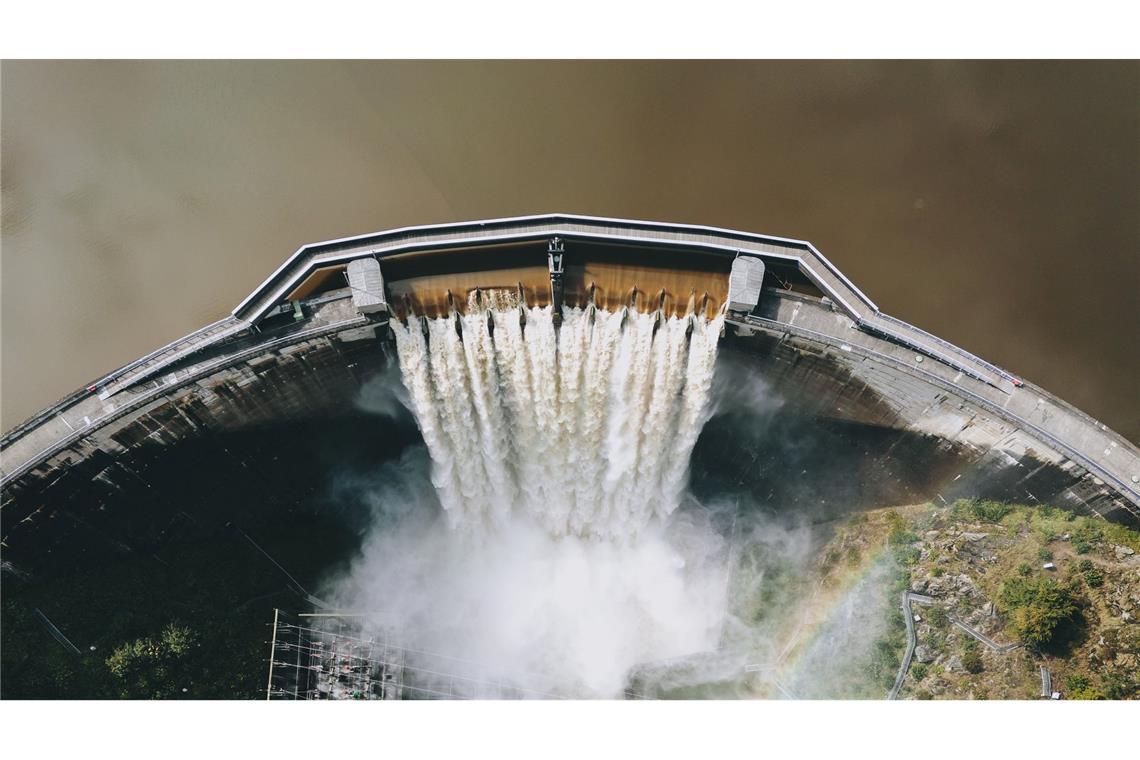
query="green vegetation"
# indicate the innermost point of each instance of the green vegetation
(972, 656)
(1068, 613)
(907, 556)
(1093, 576)
(1049, 523)
(982, 510)
(1117, 685)
(899, 534)
(1079, 686)
(1037, 608)
(937, 616)
(151, 668)
(194, 618)
(1113, 685)
(886, 654)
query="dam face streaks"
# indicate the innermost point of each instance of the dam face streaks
(587, 429)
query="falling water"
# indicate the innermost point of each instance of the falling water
(586, 428)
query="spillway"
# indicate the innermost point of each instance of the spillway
(587, 429)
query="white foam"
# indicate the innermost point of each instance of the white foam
(586, 429)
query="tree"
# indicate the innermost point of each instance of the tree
(971, 657)
(1037, 607)
(1080, 687)
(147, 668)
(1118, 685)
(937, 617)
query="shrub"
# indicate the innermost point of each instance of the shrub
(907, 555)
(1079, 686)
(989, 511)
(884, 662)
(894, 520)
(177, 640)
(143, 666)
(899, 534)
(1037, 607)
(1088, 531)
(960, 509)
(1044, 554)
(1077, 681)
(1024, 570)
(830, 559)
(918, 670)
(1117, 685)
(937, 617)
(1085, 565)
(1095, 578)
(938, 572)
(972, 661)
(1085, 535)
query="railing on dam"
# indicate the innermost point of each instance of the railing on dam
(29, 459)
(168, 354)
(950, 347)
(1118, 483)
(570, 227)
(1059, 424)
(128, 372)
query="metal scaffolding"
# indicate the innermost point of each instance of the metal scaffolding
(333, 656)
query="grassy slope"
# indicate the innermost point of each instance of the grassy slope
(963, 554)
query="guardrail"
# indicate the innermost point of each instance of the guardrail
(1001, 648)
(85, 391)
(156, 360)
(911, 639)
(916, 346)
(1019, 382)
(950, 346)
(1123, 488)
(199, 372)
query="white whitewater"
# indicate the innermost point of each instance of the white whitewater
(587, 429)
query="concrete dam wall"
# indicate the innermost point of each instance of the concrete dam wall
(243, 420)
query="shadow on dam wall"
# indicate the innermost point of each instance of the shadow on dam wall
(795, 434)
(112, 545)
(792, 431)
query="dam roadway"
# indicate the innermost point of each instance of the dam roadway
(308, 336)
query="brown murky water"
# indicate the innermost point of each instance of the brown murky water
(994, 204)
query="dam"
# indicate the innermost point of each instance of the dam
(307, 339)
(558, 366)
